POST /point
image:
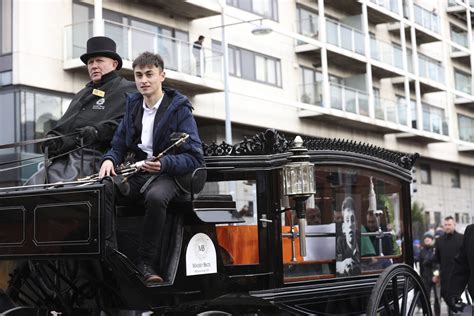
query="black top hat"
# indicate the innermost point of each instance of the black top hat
(101, 46)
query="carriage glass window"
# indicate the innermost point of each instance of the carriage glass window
(354, 226)
(238, 242)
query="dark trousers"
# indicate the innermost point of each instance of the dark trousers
(430, 286)
(156, 197)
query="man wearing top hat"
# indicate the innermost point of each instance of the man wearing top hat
(92, 115)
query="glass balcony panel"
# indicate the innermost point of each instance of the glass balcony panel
(436, 123)
(332, 32)
(78, 34)
(309, 26)
(391, 5)
(426, 120)
(311, 93)
(379, 111)
(462, 82)
(346, 38)
(426, 18)
(142, 41)
(351, 101)
(336, 96)
(363, 104)
(359, 42)
(374, 49)
(459, 38)
(402, 113)
(398, 57)
(119, 33)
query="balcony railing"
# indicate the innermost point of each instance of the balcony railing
(178, 55)
(430, 68)
(345, 36)
(391, 5)
(426, 18)
(390, 111)
(462, 82)
(434, 120)
(386, 52)
(459, 38)
(341, 98)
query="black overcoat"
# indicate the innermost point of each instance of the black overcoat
(103, 112)
(446, 248)
(463, 269)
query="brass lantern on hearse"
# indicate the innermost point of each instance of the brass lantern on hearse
(299, 184)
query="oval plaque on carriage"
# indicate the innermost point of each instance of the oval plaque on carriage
(201, 255)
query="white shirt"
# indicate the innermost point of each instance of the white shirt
(148, 120)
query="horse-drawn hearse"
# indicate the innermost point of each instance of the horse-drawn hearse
(281, 227)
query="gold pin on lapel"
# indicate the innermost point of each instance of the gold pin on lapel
(98, 93)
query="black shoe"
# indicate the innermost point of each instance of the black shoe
(149, 275)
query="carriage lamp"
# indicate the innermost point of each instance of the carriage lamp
(298, 183)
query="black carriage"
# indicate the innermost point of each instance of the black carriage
(256, 239)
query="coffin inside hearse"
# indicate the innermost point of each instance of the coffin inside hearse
(310, 226)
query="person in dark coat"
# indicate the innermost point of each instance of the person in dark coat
(426, 260)
(151, 117)
(92, 116)
(463, 271)
(446, 248)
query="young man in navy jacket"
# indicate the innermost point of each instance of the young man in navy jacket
(151, 116)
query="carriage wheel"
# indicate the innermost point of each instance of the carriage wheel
(398, 291)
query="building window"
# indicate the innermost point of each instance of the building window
(455, 178)
(265, 8)
(253, 66)
(462, 81)
(5, 27)
(7, 113)
(40, 111)
(310, 91)
(466, 128)
(425, 173)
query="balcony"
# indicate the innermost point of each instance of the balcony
(383, 11)
(459, 47)
(431, 74)
(346, 46)
(390, 111)
(190, 9)
(189, 73)
(427, 26)
(350, 7)
(457, 9)
(349, 107)
(345, 37)
(310, 28)
(387, 59)
(430, 25)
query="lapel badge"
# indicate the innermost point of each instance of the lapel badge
(98, 93)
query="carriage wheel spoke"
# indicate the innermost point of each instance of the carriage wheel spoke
(405, 296)
(396, 307)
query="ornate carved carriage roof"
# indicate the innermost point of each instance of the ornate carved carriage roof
(273, 142)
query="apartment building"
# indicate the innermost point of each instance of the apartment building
(394, 73)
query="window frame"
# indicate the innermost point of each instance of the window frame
(424, 167)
